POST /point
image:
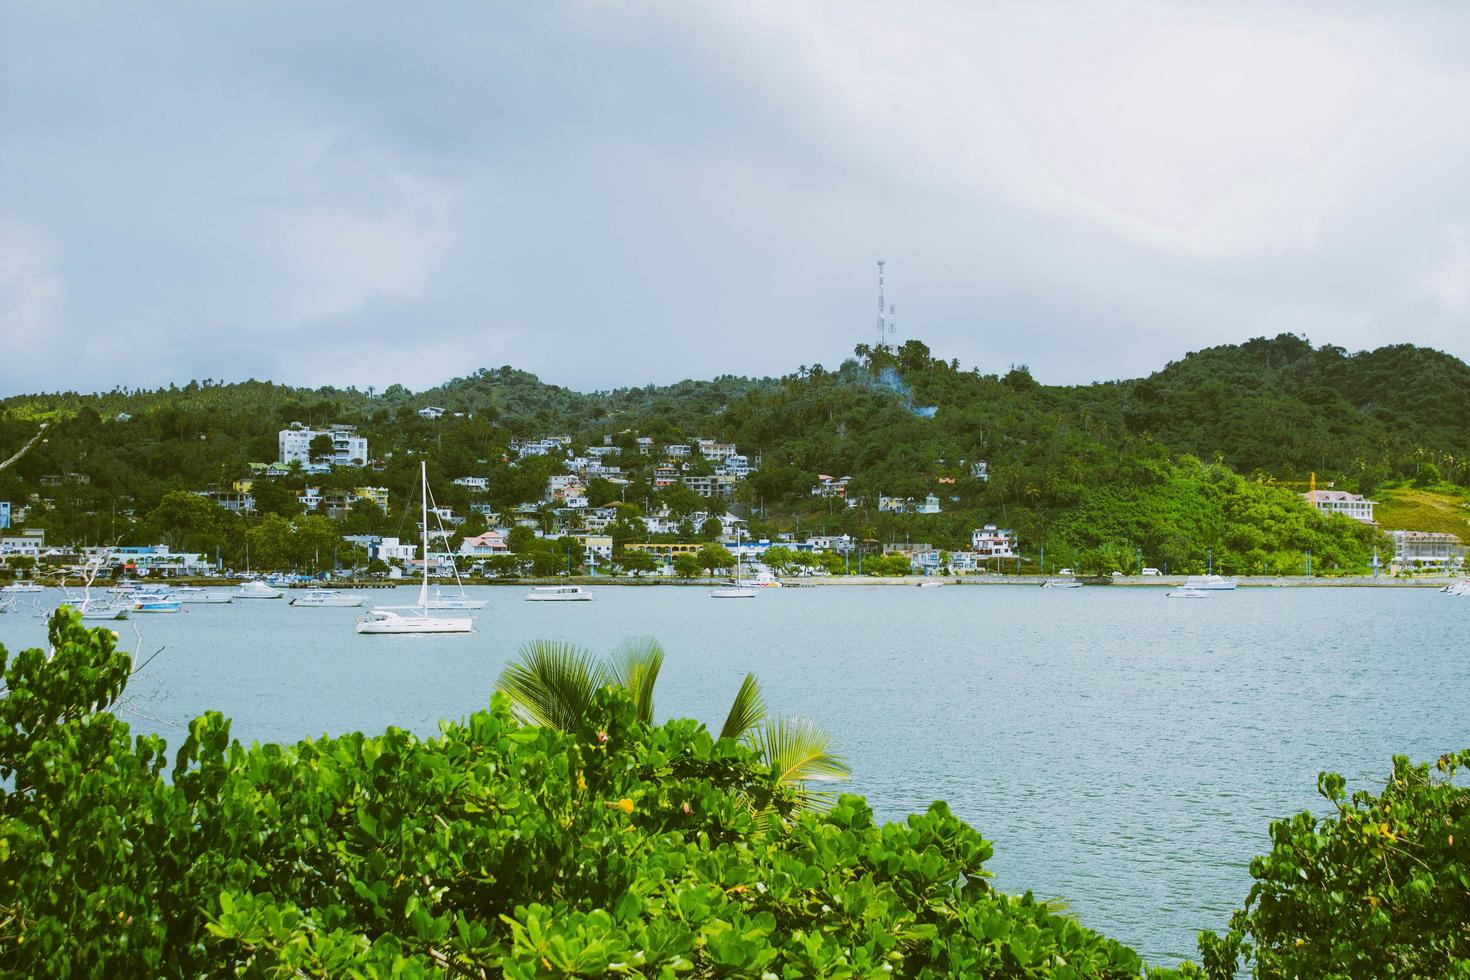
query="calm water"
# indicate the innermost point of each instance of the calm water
(1124, 752)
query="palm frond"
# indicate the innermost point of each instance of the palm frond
(798, 751)
(553, 683)
(748, 710)
(635, 666)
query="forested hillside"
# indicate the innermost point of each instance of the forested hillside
(1200, 463)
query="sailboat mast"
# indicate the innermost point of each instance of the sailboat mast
(424, 503)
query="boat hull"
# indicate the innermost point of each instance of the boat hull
(415, 624)
(732, 594)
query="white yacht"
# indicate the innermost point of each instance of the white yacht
(1061, 583)
(156, 603)
(558, 593)
(16, 588)
(386, 620)
(1458, 589)
(1210, 583)
(1188, 593)
(194, 595)
(326, 597)
(102, 609)
(440, 600)
(256, 590)
(732, 590)
(766, 580)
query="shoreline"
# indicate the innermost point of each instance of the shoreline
(910, 581)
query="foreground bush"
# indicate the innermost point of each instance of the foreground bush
(493, 849)
(1381, 889)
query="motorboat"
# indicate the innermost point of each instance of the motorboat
(930, 584)
(192, 595)
(157, 603)
(440, 600)
(317, 598)
(558, 593)
(732, 590)
(94, 609)
(1061, 583)
(768, 580)
(256, 590)
(1458, 589)
(1210, 583)
(1187, 593)
(17, 588)
(386, 620)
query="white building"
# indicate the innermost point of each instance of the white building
(1422, 549)
(909, 505)
(1341, 502)
(991, 542)
(392, 550)
(431, 412)
(477, 483)
(348, 448)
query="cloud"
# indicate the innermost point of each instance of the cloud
(616, 193)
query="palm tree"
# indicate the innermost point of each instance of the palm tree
(553, 684)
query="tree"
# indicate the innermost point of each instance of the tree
(274, 497)
(556, 684)
(320, 448)
(779, 558)
(714, 557)
(637, 562)
(687, 565)
(520, 539)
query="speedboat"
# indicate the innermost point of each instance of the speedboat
(1210, 583)
(156, 604)
(96, 609)
(558, 593)
(766, 580)
(383, 620)
(16, 588)
(1061, 583)
(1187, 593)
(256, 590)
(326, 597)
(732, 590)
(930, 584)
(191, 595)
(1458, 589)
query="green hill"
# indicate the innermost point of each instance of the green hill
(1424, 510)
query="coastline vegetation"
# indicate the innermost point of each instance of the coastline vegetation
(612, 847)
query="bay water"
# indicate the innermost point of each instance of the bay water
(1124, 752)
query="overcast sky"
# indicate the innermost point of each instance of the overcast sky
(616, 193)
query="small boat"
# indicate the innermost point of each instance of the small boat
(441, 601)
(384, 620)
(1061, 583)
(1187, 593)
(732, 590)
(98, 610)
(1210, 583)
(16, 588)
(1458, 588)
(767, 580)
(325, 597)
(256, 590)
(558, 593)
(193, 595)
(6, 602)
(930, 584)
(157, 604)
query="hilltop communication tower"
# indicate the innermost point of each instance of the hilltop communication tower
(886, 329)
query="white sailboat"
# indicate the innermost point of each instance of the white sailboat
(734, 589)
(415, 619)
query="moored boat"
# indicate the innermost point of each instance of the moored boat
(383, 621)
(558, 593)
(1210, 583)
(256, 590)
(325, 597)
(19, 588)
(1061, 583)
(1187, 593)
(156, 604)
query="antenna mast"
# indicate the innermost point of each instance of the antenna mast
(884, 328)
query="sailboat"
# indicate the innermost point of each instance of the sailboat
(415, 619)
(734, 589)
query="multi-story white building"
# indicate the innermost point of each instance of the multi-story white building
(1341, 502)
(1420, 549)
(348, 448)
(477, 483)
(992, 542)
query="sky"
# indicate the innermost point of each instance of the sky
(616, 193)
